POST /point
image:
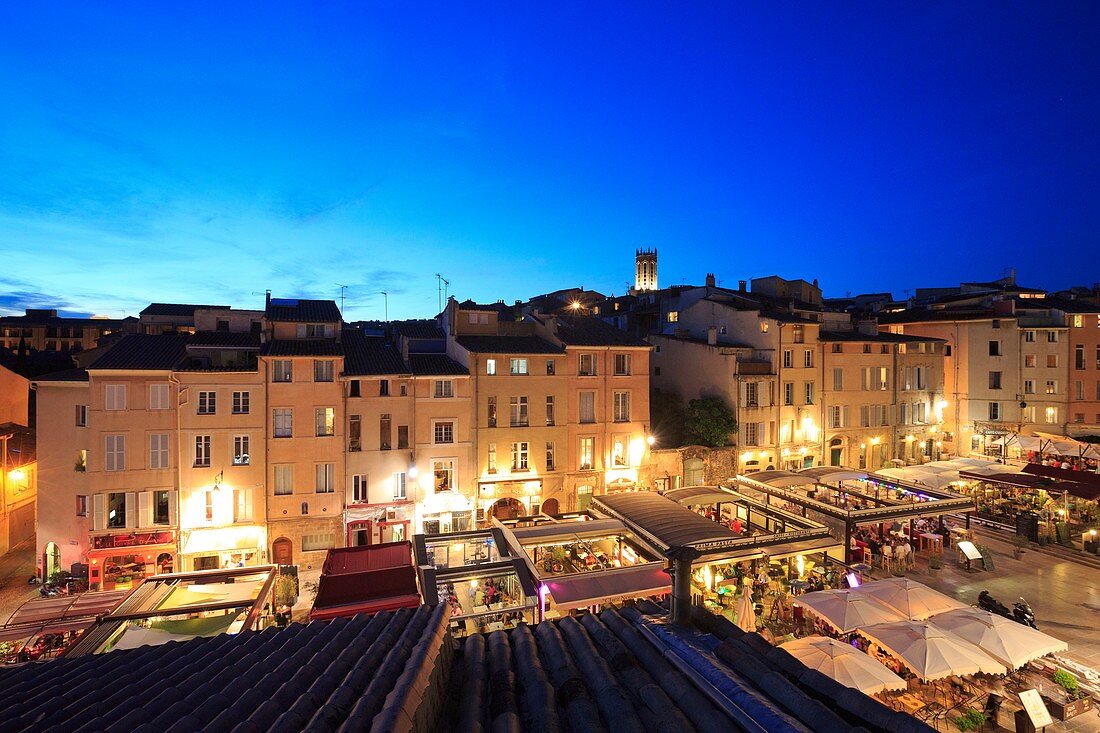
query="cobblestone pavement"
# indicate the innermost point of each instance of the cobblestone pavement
(15, 567)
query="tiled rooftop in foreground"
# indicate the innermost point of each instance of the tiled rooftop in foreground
(620, 670)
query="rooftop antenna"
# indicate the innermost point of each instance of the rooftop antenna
(440, 283)
(386, 302)
(343, 288)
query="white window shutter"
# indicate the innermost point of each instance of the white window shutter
(99, 512)
(172, 507)
(845, 421)
(131, 509)
(145, 509)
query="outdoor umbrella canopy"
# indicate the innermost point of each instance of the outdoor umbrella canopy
(929, 652)
(746, 613)
(912, 600)
(1010, 643)
(847, 610)
(846, 665)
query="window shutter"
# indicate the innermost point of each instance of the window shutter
(99, 512)
(145, 509)
(131, 509)
(172, 507)
(845, 421)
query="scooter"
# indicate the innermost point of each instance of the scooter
(1022, 613)
(988, 603)
(49, 591)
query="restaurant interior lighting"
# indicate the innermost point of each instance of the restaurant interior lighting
(17, 474)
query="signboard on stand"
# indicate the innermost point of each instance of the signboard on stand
(1035, 708)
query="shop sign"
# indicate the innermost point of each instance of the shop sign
(134, 539)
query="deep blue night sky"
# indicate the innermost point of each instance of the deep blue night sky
(206, 152)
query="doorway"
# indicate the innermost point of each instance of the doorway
(51, 561)
(550, 506)
(282, 551)
(508, 508)
(836, 452)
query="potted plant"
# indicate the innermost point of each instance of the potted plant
(935, 563)
(1019, 544)
(970, 720)
(1071, 702)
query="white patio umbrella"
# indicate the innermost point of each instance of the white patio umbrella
(848, 666)
(847, 610)
(1010, 643)
(912, 600)
(929, 652)
(746, 613)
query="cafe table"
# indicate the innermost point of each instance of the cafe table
(932, 542)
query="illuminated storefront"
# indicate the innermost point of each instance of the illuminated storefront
(121, 561)
(222, 547)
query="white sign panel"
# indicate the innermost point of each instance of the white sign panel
(1036, 708)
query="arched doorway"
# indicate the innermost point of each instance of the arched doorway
(282, 551)
(165, 563)
(836, 452)
(550, 506)
(51, 561)
(507, 508)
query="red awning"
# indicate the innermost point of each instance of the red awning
(351, 609)
(351, 593)
(588, 589)
(1084, 484)
(367, 557)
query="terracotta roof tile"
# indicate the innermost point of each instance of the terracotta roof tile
(435, 364)
(507, 345)
(303, 347)
(302, 311)
(143, 351)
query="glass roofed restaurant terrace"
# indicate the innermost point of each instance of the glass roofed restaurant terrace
(846, 499)
(581, 560)
(486, 587)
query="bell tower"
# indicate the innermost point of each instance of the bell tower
(645, 270)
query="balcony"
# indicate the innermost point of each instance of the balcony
(758, 367)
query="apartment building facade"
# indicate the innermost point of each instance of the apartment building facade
(1011, 366)
(230, 445)
(807, 386)
(561, 406)
(44, 330)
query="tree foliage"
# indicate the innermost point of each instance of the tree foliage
(709, 421)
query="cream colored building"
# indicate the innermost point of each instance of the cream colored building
(62, 511)
(807, 386)
(1007, 370)
(562, 406)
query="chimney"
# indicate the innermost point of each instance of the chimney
(742, 285)
(710, 279)
(712, 336)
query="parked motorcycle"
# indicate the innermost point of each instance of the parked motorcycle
(49, 591)
(33, 580)
(988, 603)
(1022, 613)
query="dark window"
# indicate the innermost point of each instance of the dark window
(160, 507)
(353, 388)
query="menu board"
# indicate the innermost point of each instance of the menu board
(969, 551)
(1036, 708)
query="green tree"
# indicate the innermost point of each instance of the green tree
(666, 412)
(710, 422)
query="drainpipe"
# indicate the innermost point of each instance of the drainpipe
(173, 379)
